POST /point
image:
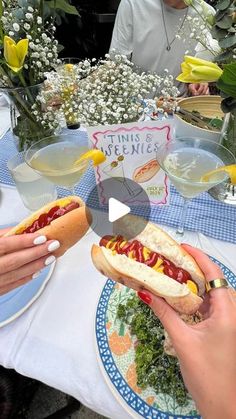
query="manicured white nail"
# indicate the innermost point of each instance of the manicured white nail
(40, 240)
(54, 246)
(49, 260)
(36, 274)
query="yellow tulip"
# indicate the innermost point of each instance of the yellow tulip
(15, 53)
(196, 70)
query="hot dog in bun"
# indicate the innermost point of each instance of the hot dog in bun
(66, 220)
(152, 261)
(146, 172)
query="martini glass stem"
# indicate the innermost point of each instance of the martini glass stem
(180, 229)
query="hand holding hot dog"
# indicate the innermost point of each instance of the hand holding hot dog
(28, 247)
(152, 260)
(22, 257)
(66, 220)
(206, 351)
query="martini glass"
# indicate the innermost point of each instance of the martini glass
(56, 159)
(185, 161)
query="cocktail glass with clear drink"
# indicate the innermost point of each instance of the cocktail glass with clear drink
(34, 190)
(185, 161)
(56, 158)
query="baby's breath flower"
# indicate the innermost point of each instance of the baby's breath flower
(16, 27)
(29, 16)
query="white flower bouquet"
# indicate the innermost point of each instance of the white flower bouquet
(107, 92)
(28, 49)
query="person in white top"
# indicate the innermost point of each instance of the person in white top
(145, 31)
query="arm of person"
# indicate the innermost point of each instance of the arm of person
(22, 257)
(206, 351)
(122, 36)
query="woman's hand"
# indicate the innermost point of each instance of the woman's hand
(206, 351)
(22, 257)
(197, 89)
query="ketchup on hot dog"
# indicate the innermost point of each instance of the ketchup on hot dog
(135, 250)
(46, 218)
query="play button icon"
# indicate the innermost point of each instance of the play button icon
(124, 198)
(116, 210)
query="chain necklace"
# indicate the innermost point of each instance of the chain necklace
(169, 43)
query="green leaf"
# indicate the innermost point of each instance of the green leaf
(223, 4)
(218, 33)
(227, 82)
(1, 8)
(225, 22)
(63, 5)
(228, 104)
(224, 57)
(229, 73)
(60, 48)
(228, 42)
(219, 14)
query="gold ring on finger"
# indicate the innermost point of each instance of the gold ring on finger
(216, 283)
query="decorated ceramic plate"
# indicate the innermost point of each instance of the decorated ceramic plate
(17, 301)
(116, 352)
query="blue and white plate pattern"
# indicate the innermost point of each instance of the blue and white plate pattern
(116, 356)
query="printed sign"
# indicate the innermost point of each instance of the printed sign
(131, 151)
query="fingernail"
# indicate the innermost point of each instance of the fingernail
(36, 274)
(40, 240)
(54, 246)
(49, 260)
(146, 298)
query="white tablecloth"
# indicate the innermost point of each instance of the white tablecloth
(5, 116)
(54, 341)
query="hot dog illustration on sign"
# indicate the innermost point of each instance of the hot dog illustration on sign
(146, 172)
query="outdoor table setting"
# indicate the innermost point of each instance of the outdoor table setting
(83, 130)
(57, 332)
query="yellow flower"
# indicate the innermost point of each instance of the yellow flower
(69, 67)
(196, 70)
(15, 54)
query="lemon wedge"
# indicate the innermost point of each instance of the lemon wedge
(231, 170)
(97, 156)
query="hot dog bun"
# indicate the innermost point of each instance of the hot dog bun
(146, 171)
(67, 229)
(139, 276)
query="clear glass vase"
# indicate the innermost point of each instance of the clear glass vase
(229, 134)
(27, 115)
(225, 191)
